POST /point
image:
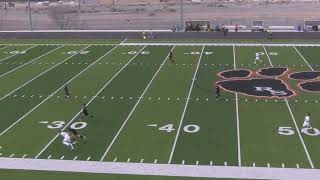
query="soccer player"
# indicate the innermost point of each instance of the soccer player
(85, 110)
(66, 91)
(257, 58)
(75, 134)
(218, 91)
(171, 57)
(306, 123)
(67, 140)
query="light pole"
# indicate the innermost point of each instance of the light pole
(30, 18)
(181, 15)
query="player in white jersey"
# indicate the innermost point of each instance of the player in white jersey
(306, 123)
(257, 58)
(67, 140)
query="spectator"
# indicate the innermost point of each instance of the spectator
(173, 28)
(236, 28)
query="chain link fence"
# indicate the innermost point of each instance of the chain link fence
(155, 14)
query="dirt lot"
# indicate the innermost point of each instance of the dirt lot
(146, 14)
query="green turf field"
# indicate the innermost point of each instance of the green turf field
(149, 108)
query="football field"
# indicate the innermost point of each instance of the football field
(146, 107)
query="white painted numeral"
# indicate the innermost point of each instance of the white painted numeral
(195, 53)
(168, 128)
(78, 125)
(191, 128)
(208, 53)
(287, 131)
(75, 52)
(314, 132)
(17, 52)
(135, 52)
(273, 53)
(60, 124)
(56, 125)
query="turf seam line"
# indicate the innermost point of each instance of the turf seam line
(303, 58)
(237, 113)
(54, 138)
(185, 108)
(31, 61)
(44, 99)
(17, 53)
(135, 106)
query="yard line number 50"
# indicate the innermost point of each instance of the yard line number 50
(288, 131)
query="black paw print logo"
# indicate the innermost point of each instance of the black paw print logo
(266, 82)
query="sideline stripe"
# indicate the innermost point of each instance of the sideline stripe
(297, 129)
(185, 107)
(44, 99)
(53, 139)
(181, 44)
(303, 58)
(30, 61)
(237, 112)
(18, 54)
(159, 169)
(134, 108)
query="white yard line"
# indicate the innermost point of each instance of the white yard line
(299, 134)
(265, 50)
(53, 139)
(237, 112)
(303, 58)
(40, 75)
(185, 108)
(159, 169)
(296, 126)
(31, 61)
(4, 47)
(17, 53)
(12, 125)
(134, 108)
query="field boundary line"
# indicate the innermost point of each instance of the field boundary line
(37, 58)
(297, 128)
(237, 112)
(41, 101)
(110, 80)
(305, 60)
(185, 108)
(65, 44)
(17, 54)
(220, 44)
(134, 107)
(159, 169)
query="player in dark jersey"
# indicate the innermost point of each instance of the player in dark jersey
(75, 134)
(85, 110)
(66, 91)
(218, 91)
(171, 57)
